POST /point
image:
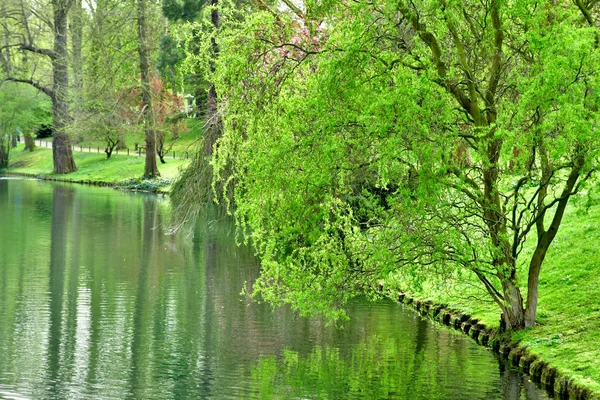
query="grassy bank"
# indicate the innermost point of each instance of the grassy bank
(186, 141)
(94, 167)
(567, 334)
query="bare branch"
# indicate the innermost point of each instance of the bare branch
(47, 52)
(294, 8)
(44, 89)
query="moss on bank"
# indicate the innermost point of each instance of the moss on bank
(567, 335)
(120, 170)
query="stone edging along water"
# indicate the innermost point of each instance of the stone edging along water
(540, 371)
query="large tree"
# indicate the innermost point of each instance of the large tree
(27, 34)
(407, 139)
(150, 169)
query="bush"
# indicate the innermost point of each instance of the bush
(44, 131)
(146, 185)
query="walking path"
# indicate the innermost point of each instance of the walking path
(90, 149)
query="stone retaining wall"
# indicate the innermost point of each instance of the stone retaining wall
(541, 372)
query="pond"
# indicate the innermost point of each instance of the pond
(97, 301)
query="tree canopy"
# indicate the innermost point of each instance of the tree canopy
(369, 141)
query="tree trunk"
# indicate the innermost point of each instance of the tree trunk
(213, 130)
(4, 152)
(151, 169)
(61, 147)
(14, 140)
(535, 267)
(76, 42)
(513, 311)
(76, 36)
(545, 240)
(174, 82)
(29, 142)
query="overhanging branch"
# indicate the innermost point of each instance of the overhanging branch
(44, 89)
(47, 52)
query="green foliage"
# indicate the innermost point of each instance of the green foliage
(146, 184)
(171, 54)
(421, 143)
(22, 106)
(186, 10)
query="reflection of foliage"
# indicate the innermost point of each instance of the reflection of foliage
(376, 369)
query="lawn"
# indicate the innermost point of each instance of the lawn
(568, 330)
(92, 166)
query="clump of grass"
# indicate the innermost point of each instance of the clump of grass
(145, 184)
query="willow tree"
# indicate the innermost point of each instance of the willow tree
(406, 139)
(193, 188)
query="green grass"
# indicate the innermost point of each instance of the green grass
(568, 330)
(92, 167)
(186, 142)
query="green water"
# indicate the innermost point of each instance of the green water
(98, 302)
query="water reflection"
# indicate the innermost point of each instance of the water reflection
(97, 302)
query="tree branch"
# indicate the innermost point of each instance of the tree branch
(46, 90)
(47, 52)
(294, 9)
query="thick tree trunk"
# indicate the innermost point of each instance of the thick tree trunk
(513, 311)
(76, 37)
(151, 169)
(61, 147)
(29, 142)
(77, 64)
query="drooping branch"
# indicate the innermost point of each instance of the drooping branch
(462, 59)
(431, 41)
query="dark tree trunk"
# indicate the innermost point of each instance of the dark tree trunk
(213, 130)
(151, 169)
(14, 140)
(4, 152)
(545, 238)
(160, 147)
(61, 147)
